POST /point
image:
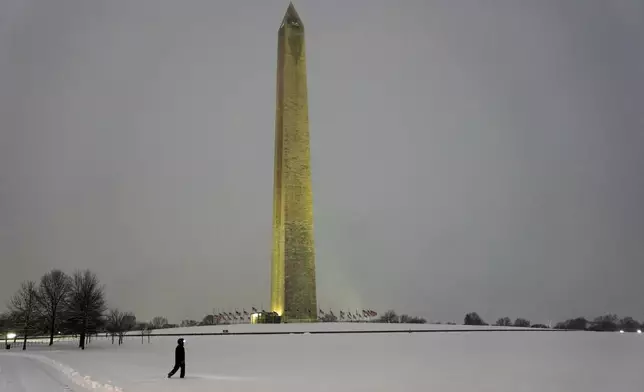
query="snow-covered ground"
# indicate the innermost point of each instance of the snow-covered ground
(23, 373)
(463, 361)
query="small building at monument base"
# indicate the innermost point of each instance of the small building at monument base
(265, 318)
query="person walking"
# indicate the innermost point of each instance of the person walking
(179, 360)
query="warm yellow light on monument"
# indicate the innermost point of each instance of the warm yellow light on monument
(293, 292)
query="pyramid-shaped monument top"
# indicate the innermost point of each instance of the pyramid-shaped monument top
(291, 17)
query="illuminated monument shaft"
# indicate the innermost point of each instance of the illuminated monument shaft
(293, 293)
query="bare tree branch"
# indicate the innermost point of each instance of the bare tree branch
(24, 307)
(159, 322)
(114, 321)
(118, 323)
(87, 301)
(53, 293)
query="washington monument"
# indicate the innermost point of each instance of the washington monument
(293, 293)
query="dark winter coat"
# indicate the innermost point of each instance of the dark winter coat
(179, 354)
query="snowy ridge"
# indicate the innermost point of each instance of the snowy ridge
(74, 376)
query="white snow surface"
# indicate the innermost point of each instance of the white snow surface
(26, 373)
(459, 361)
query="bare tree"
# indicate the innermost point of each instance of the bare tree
(53, 293)
(473, 319)
(628, 324)
(389, 317)
(118, 323)
(503, 322)
(407, 319)
(128, 323)
(24, 308)
(87, 302)
(159, 322)
(208, 320)
(521, 322)
(114, 320)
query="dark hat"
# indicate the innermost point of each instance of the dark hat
(180, 341)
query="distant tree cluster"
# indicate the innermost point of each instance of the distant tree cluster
(609, 322)
(507, 322)
(158, 322)
(473, 319)
(64, 304)
(390, 316)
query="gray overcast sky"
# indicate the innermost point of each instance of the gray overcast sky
(467, 155)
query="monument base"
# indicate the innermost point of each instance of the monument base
(265, 318)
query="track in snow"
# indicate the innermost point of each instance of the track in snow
(23, 374)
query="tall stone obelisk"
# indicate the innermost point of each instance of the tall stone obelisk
(293, 293)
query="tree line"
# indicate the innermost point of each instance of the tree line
(64, 304)
(75, 305)
(607, 323)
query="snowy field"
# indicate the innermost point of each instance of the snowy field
(463, 361)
